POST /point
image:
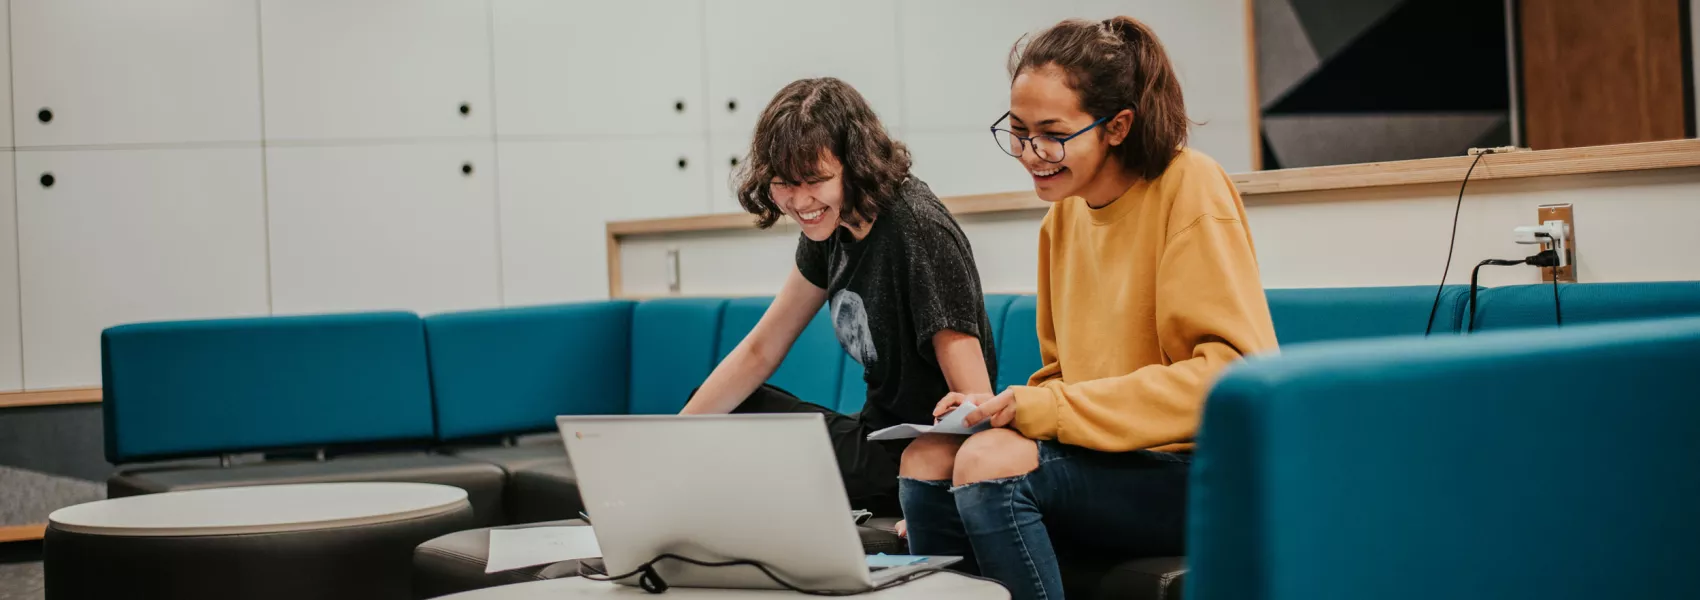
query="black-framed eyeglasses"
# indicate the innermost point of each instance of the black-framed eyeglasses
(1048, 148)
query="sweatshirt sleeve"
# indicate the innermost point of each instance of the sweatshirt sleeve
(1210, 312)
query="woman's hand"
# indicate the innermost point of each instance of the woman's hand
(955, 399)
(1000, 410)
(903, 529)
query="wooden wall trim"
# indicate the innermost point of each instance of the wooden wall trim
(22, 533)
(1545, 163)
(90, 395)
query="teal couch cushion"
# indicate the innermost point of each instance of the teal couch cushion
(675, 345)
(997, 307)
(1329, 314)
(1519, 306)
(810, 371)
(513, 370)
(206, 387)
(1531, 464)
(1018, 347)
(852, 387)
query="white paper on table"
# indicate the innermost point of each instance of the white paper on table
(516, 548)
(950, 424)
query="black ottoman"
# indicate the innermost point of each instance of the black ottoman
(323, 541)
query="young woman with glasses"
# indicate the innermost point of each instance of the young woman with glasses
(1148, 287)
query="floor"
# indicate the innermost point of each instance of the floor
(20, 571)
(27, 497)
(21, 581)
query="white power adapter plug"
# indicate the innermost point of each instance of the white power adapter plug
(1550, 232)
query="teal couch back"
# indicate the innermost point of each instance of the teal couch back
(675, 344)
(1523, 306)
(1310, 315)
(206, 387)
(812, 368)
(1528, 464)
(508, 371)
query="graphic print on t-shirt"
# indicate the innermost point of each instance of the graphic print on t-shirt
(850, 322)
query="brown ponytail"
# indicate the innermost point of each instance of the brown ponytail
(1116, 64)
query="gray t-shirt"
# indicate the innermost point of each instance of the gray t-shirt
(889, 293)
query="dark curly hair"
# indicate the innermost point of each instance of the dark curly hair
(1114, 64)
(804, 120)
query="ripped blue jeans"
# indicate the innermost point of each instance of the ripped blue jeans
(1079, 501)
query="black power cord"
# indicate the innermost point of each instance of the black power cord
(1474, 273)
(1546, 258)
(1456, 208)
(1549, 258)
(651, 581)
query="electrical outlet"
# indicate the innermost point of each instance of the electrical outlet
(1560, 212)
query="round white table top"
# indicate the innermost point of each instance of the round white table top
(942, 586)
(259, 509)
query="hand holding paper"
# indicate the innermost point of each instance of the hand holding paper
(950, 424)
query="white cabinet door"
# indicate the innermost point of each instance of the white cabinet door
(101, 72)
(122, 236)
(969, 162)
(6, 72)
(755, 47)
(383, 227)
(557, 196)
(372, 69)
(1206, 41)
(955, 58)
(726, 151)
(603, 68)
(11, 342)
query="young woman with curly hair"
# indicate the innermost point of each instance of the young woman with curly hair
(899, 275)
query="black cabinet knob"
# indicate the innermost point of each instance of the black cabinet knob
(44, 115)
(679, 106)
(732, 105)
(465, 108)
(466, 168)
(47, 180)
(734, 161)
(683, 163)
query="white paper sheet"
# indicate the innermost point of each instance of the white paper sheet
(515, 548)
(949, 424)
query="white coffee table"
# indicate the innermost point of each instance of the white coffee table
(315, 540)
(259, 509)
(943, 586)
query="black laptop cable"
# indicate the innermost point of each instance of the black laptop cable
(1452, 244)
(651, 581)
(1546, 258)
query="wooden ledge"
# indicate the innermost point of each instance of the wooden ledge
(22, 533)
(90, 395)
(1545, 163)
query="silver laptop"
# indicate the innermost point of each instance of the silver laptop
(763, 488)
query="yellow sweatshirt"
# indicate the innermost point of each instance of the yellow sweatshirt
(1141, 304)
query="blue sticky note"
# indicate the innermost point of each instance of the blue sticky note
(887, 561)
